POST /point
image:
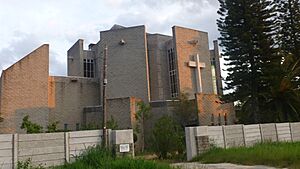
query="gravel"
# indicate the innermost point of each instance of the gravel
(196, 165)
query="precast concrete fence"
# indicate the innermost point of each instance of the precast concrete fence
(50, 149)
(202, 138)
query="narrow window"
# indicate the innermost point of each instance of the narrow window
(77, 126)
(172, 73)
(88, 68)
(212, 119)
(219, 119)
(225, 118)
(66, 127)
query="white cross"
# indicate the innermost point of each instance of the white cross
(198, 65)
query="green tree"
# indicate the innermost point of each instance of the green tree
(141, 116)
(31, 127)
(247, 31)
(185, 110)
(283, 95)
(168, 137)
(289, 19)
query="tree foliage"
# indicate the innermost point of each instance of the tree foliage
(258, 39)
(185, 110)
(143, 114)
(168, 137)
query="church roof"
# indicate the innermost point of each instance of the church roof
(116, 26)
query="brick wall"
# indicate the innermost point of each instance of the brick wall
(211, 111)
(24, 90)
(185, 52)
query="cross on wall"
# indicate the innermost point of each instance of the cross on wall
(197, 65)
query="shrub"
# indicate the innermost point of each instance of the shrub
(52, 127)
(31, 127)
(168, 137)
(27, 164)
(112, 124)
(99, 158)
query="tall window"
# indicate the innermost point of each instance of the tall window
(172, 73)
(225, 118)
(88, 67)
(212, 119)
(213, 71)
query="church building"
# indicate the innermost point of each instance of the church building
(141, 66)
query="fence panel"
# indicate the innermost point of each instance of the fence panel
(47, 148)
(269, 133)
(283, 132)
(79, 141)
(295, 131)
(252, 134)
(215, 135)
(6, 149)
(234, 136)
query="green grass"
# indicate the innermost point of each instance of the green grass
(97, 158)
(271, 154)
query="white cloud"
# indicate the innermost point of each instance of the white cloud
(25, 25)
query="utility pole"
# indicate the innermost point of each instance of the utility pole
(104, 96)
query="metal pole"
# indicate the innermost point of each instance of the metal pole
(104, 97)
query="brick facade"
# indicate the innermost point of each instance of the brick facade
(138, 69)
(24, 91)
(211, 111)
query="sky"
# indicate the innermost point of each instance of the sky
(26, 25)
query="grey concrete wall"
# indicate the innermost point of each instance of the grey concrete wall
(75, 59)
(295, 131)
(80, 141)
(158, 66)
(127, 70)
(6, 151)
(239, 135)
(68, 96)
(268, 132)
(234, 136)
(252, 134)
(47, 149)
(50, 149)
(216, 136)
(215, 57)
(283, 131)
(123, 111)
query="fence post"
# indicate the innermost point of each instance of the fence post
(190, 141)
(291, 130)
(243, 129)
(224, 136)
(276, 132)
(261, 134)
(67, 148)
(15, 150)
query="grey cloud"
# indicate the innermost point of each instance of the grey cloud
(56, 66)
